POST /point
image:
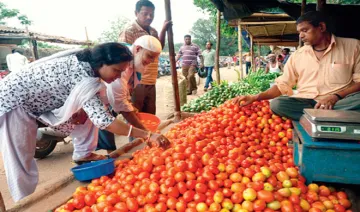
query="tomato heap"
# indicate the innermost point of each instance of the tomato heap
(227, 159)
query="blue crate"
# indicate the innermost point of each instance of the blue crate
(326, 161)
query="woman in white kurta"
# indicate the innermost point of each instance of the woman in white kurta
(45, 87)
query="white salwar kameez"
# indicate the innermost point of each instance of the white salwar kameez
(18, 143)
(34, 92)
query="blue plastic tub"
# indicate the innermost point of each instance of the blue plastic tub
(94, 169)
(326, 161)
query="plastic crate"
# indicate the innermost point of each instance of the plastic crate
(326, 160)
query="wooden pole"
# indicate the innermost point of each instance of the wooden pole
(87, 36)
(320, 5)
(303, 5)
(240, 52)
(259, 54)
(252, 53)
(2, 204)
(172, 61)
(35, 49)
(30, 42)
(217, 52)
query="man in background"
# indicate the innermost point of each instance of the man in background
(189, 53)
(16, 61)
(285, 54)
(144, 94)
(209, 63)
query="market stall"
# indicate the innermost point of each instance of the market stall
(226, 158)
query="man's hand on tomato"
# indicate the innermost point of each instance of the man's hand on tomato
(158, 140)
(244, 100)
(327, 103)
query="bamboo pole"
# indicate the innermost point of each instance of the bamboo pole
(87, 36)
(252, 53)
(240, 52)
(267, 22)
(217, 52)
(259, 53)
(35, 49)
(320, 5)
(172, 62)
(303, 5)
(30, 42)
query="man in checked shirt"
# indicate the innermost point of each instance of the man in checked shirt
(144, 94)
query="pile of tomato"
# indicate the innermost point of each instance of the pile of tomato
(228, 159)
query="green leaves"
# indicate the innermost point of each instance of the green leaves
(6, 13)
(254, 83)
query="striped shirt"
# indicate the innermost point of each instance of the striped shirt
(129, 35)
(189, 54)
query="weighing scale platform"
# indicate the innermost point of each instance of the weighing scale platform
(326, 160)
(331, 124)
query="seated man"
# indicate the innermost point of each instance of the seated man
(326, 72)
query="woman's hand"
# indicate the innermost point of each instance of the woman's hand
(79, 117)
(243, 100)
(158, 140)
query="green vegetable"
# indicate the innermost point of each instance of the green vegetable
(254, 83)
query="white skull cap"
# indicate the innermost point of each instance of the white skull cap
(149, 42)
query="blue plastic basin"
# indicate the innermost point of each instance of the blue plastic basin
(94, 169)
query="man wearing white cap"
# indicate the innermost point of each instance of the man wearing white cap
(84, 134)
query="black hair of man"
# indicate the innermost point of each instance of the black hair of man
(315, 18)
(209, 42)
(287, 50)
(13, 51)
(143, 3)
(187, 36)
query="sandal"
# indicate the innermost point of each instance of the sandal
(90, 158)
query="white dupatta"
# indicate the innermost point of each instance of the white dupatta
(81, 93)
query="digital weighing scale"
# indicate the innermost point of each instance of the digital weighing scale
(331, 124)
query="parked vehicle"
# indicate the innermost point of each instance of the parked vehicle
(46, 140)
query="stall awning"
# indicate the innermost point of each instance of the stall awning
(343, 17)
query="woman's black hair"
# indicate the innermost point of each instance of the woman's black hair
(143, 3)
(105, 54)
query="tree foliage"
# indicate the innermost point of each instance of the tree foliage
(116, 26)
(6, 13)
(205, 30)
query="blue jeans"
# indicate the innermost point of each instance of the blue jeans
(209, 78)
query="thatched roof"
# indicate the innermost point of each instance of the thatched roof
(269, 28)
(8, 34)
(343, 17)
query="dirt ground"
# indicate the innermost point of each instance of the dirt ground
(57, 165)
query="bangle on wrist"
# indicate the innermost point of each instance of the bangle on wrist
(129, 133)
(338, 96)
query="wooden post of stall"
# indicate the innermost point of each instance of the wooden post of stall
(252, 53)
(2, 204)
(30, 42)
(217, 52)
(240, 52)
(35, 49)
(177, 113)
(87, 37)
(320, 5)
(259, 54)
(303, 5)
